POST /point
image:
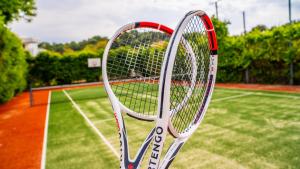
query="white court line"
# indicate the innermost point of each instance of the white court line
(43, 161)
(108, 119)
(262, 94)
(101, 121)
(231, 97)
(229, 90)
(215, 100)
(146, 96)
(277, 95)
(93, 126)
(225, 98)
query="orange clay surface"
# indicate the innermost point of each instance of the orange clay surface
(22, 131)
(275, 88)
(22, 126)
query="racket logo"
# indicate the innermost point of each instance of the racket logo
(156, 146)
(117, 121)
(130, 166)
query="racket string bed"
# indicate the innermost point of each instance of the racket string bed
(192, 27)
(195, 36)
(137, 69)
(199, 92)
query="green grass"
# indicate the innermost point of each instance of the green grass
(258, 130)
(71, 142)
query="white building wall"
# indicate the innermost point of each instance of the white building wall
(31, 45)
(32, 48)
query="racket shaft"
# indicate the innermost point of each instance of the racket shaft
(142, 151)
(172, 152)
(158, 142)
(122, 137)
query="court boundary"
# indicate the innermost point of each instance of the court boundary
(45, 139)
(255, 87)
(230, 90)
(258, 92)
(232, 97)
(261, 87)
(103, 138)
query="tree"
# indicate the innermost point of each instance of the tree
(222, 35)
(94, 43)
(259, 28)
(15, 9)
(221, 29)
(13, 67)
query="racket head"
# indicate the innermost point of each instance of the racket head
(131, 65)
(190, 73)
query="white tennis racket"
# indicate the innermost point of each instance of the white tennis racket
(131, 70)
(184, 93)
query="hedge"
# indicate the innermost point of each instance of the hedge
(49, 68)
(13, 66)
(265, 54)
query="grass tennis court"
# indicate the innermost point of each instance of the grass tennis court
(242, 129)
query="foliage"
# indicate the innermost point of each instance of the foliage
(15, 9)
(221, 29)
(140, 37)
(266, 53)
(94, 43)
(50, 68)
(13, 66)
(259, 28)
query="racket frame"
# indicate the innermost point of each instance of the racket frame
(164, 123)
(118, 107)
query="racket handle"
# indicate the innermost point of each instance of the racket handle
(172, 152)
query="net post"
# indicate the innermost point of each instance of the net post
(30, 94)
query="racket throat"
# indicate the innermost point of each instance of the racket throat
(158, 142)
(136, 162)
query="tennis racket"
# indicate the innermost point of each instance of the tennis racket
(186, 84)
(131, 69)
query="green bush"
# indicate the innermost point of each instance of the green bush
(13, 66)
(265, 53)
(49, 68)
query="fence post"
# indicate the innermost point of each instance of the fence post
(291, 73)
(247, 75)
(291, 81)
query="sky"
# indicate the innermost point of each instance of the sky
(75, 20)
